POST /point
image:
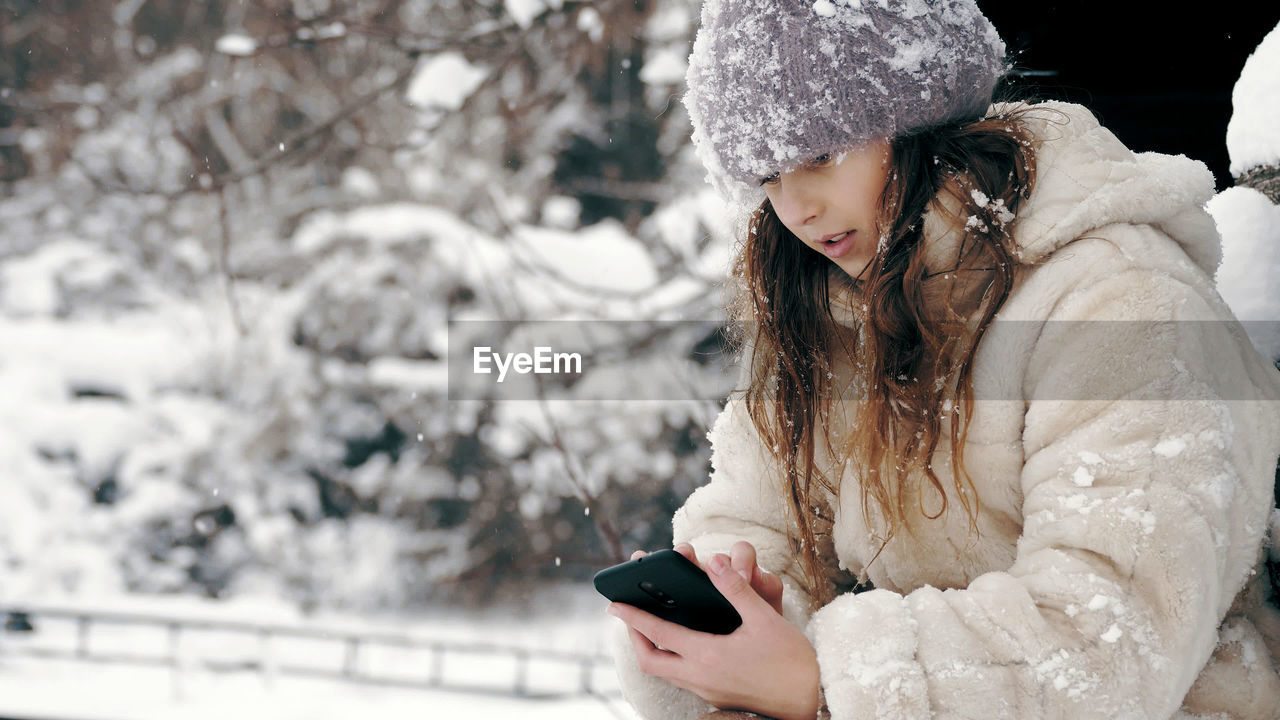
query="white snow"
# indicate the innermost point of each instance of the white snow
(330, 31)
(359, 182)
(908, 57)
(1253, 139)
(409, 374)
(1144, 518)
(671, 22)
(443, 81)
(1060, 670)
(130, 355)
(1170, 447)
(524, 11)
(1248, 222)
(29, 284)
(603, 256)
(310, 9)
(561, 212)
(589, 22)
(1250, 227)
(237, 44)
(666, 66)
(382, 225)
(1080, 502)
(1112, 634)
(1082, 477)
(1090, 458)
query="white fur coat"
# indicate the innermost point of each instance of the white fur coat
(1124, 470)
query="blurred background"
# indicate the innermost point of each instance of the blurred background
(233, 235)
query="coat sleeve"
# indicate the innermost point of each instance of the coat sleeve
(742, 501)
(1146, 484)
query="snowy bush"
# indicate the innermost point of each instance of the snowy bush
(228, 257)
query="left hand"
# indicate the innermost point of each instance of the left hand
(766, 666)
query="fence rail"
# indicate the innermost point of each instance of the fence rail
(353, 646)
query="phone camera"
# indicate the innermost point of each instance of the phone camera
(657, 594)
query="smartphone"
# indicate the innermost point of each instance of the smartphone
(667, 584)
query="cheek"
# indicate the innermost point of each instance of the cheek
(785, 220)
(862, 185)
(863, 198)
(871, 202)
(872, 186)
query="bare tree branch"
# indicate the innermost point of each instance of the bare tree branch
(224, 258)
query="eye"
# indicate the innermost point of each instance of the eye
(770, 179)
(822, 159)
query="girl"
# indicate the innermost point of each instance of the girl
(923, 510)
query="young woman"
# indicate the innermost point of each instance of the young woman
(923, 510)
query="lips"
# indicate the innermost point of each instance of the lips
(834, 246)
(833, 237)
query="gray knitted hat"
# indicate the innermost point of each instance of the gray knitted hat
(774, 83)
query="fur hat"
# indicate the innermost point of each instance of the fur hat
(774, 83)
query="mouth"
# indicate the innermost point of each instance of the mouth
(837, 244)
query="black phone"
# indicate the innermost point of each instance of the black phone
(667, 584)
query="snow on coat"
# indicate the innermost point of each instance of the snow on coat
(1122, 534)
(1248, 219)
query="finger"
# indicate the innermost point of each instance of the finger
(769, 586)
(686, 550)
(659, 632)
(639, 642)
(743, 559)
(766, 583)
(638, 554)
(652, 659)
(735, 588)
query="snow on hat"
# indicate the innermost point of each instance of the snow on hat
(774, 83)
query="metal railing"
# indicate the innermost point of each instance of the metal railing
(354, 647)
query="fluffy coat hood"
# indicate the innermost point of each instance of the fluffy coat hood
(1086, 179)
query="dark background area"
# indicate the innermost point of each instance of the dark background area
(1158, 75)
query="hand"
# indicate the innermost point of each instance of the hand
(766, 666)
(743, 560)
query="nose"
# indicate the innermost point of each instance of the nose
(796, 203)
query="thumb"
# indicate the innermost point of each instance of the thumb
(735, 588)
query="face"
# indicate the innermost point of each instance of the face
(833, 198)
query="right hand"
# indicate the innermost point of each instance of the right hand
(742, 558)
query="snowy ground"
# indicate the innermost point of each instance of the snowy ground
(478, 684)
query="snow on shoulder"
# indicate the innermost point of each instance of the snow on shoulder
(1247, 219)
(1252, 136)
(1250, 229)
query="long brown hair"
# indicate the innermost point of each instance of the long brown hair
(910, 350)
